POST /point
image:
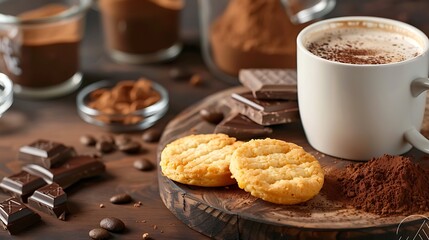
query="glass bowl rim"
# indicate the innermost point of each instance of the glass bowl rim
(150, 114)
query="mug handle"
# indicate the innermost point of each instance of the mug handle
(412, 136)
(302, 11)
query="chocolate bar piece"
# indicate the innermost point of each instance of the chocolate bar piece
(270, 83)
(45, 153)
(266, 112)
(15, 216)
(75, 169)
(21, 185)
(50, 199)
(239, 126)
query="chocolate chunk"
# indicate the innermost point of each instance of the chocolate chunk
(131, 147)
(241, 127)
(15, 216)
(50, 199)
(21, 185)
(45, 153)
(112, 224)
(266, 112)
(99, 234)
(72, 171)
(210, 116)
(151, 135)
(88, 140)
(121, 198)
(270, 83)
(143, 164)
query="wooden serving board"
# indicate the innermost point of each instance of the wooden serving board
(232, 213)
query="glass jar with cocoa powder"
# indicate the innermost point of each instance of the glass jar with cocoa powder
(39, 45)
(238, 34)
(141, 31)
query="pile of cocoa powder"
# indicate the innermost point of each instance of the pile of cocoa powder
(254, 34)
(389, 185)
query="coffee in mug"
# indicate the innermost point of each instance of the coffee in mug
(359, 44)
(360, 85)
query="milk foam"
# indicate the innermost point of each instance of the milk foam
(362, 45)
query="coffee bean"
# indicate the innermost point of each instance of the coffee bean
(99, 234)
(88, 140)
(130, 147)
(151, 135)
(143, 164)
(179, 74)
(121, 198)
(107, 138)
(196, 80)
(104, 146)
(112, 224)
(122, 139)
(211, 116)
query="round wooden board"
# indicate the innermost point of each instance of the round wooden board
(232, 213)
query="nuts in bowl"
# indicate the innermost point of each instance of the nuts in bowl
(124, 105)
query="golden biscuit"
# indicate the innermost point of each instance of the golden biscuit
(201, 160)
(276, 171)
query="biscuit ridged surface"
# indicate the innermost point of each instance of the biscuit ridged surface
(277, 171)
(201, 160)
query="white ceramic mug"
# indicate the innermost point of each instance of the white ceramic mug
(358, 112)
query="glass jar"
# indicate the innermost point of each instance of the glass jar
(238, 34)
(141, 31)
(39, 45)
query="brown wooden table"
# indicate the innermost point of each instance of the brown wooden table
(57, 120)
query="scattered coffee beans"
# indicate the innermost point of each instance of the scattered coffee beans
(131, 147)
(88, 140)
(151, 135)
(122, 139)
(99, 234)
(104, 146)
(143, 164)
(112, 224)
(123, 142)
(179, 74)
(107, 138)
(196, 80)
(145, 236)
(121, 198)
(212, 117)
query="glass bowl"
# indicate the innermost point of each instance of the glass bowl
(6, 95)
(117, 122)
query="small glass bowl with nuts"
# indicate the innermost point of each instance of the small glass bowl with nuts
(125, 105)
(6, 93)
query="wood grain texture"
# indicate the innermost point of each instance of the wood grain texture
(231, 213)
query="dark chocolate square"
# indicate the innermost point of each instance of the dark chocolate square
(15, 216)
(45, 153)
(21, 184)
(50, 199)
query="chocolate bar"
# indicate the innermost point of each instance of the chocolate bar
(266, 112)
(45, 153)
(239, 126)
(75, 169)
(50, 199)
(270, 83)
(15, 216)
(21, 185)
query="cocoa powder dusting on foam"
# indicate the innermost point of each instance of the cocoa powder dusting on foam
(389, 185)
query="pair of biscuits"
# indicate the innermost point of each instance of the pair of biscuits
(274, 170)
